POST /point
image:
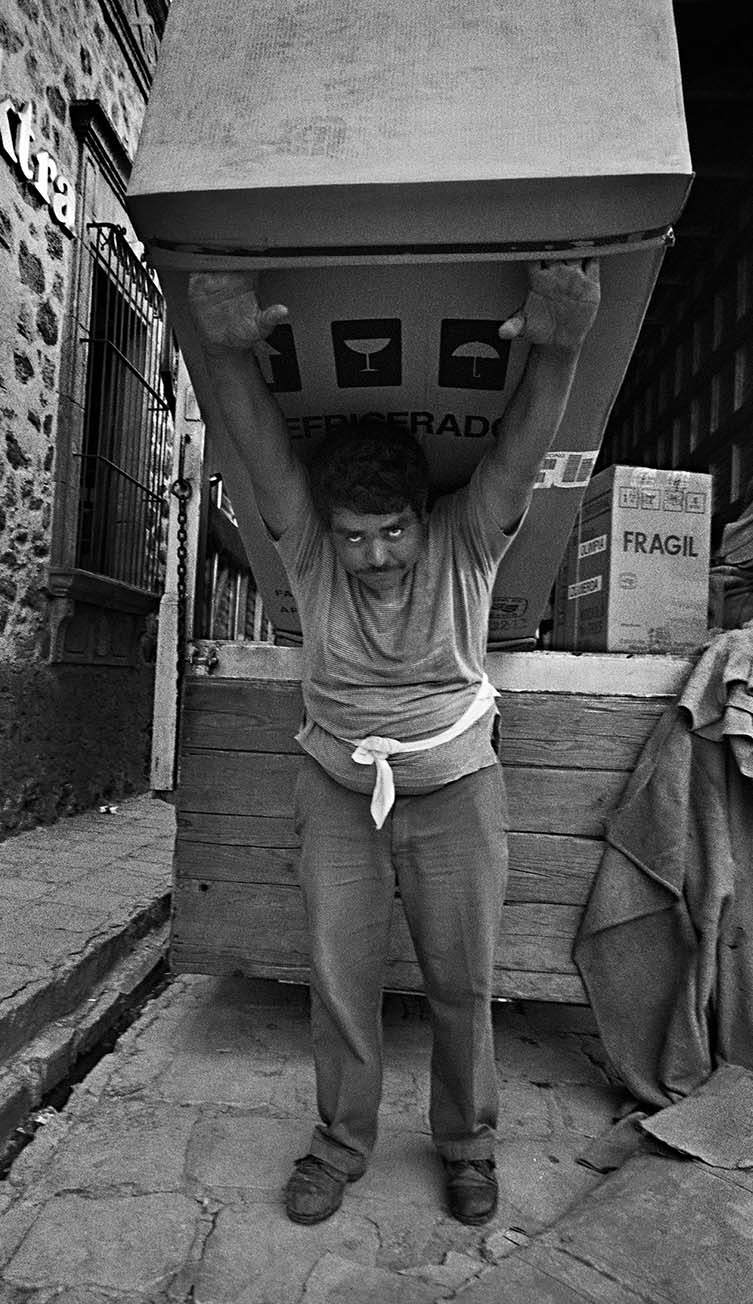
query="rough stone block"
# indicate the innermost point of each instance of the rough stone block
(516, 1281)
(543, 1057)
(541, 1180)
(17, 1099)
(121, 1243)
(339, 1281)
(665, 1229)
(255, 1254)
(140, 1145)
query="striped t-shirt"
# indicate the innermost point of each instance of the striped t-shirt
(406, 672)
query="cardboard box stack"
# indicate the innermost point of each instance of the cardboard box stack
(387, 171)
(635, 577)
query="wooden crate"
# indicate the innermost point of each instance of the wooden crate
(573, 727)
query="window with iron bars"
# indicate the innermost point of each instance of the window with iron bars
(127, 435)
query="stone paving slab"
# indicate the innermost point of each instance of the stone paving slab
(666, 1228)
(107, 1242)
(662, 1229)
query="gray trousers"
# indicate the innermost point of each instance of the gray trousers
(447, 853)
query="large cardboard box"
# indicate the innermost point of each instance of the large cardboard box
(387, 171)
(635, 577)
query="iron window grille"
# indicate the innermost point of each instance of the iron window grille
(126, 447)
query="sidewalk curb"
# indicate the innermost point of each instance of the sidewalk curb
(44, 1002)
(70, 1018)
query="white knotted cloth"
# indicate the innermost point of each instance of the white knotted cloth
(376, 751)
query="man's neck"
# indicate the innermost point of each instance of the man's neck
(391, 596)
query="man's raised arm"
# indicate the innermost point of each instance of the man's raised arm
(230, 322)
(562, 302)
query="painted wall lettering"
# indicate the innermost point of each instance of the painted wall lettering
(17, 139)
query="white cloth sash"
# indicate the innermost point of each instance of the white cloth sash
(375, 750)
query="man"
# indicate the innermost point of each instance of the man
(400, 782)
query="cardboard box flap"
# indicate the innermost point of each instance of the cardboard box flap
(276, 125)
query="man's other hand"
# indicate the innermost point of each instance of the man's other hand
(226, 310)
(560, 307)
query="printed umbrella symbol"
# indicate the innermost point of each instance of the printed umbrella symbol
(475, 349)
(366, 348)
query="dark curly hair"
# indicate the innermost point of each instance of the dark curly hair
(369, 466)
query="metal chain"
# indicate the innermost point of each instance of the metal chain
(181, 489)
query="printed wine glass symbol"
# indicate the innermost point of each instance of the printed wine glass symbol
(367, 348)
(475, 349)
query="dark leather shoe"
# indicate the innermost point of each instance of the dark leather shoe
(315, 1190)
(472, 1190)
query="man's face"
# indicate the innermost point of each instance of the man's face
(379, 550)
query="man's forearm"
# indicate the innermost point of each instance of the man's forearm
(252, 417)
(528, 428)
(559, 310)
(535, 412)
(257, 441)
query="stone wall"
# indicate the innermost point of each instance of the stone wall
(70, 734)
(70, 738)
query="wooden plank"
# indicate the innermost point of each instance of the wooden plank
(538, 937)
(540, 801)
(543, 868)
(266, 920)
(508, 984)
(236, 715)
(537, 728)
(235, 830)
(246, 660)
(563, 731)
(192, 954)
(189, 956)
(594, 673)
(233, 864)
(228, 696)
(244, 783)
(261, 928)
(261, 922)
(562, 801)
(214, 732)
(552, 867)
